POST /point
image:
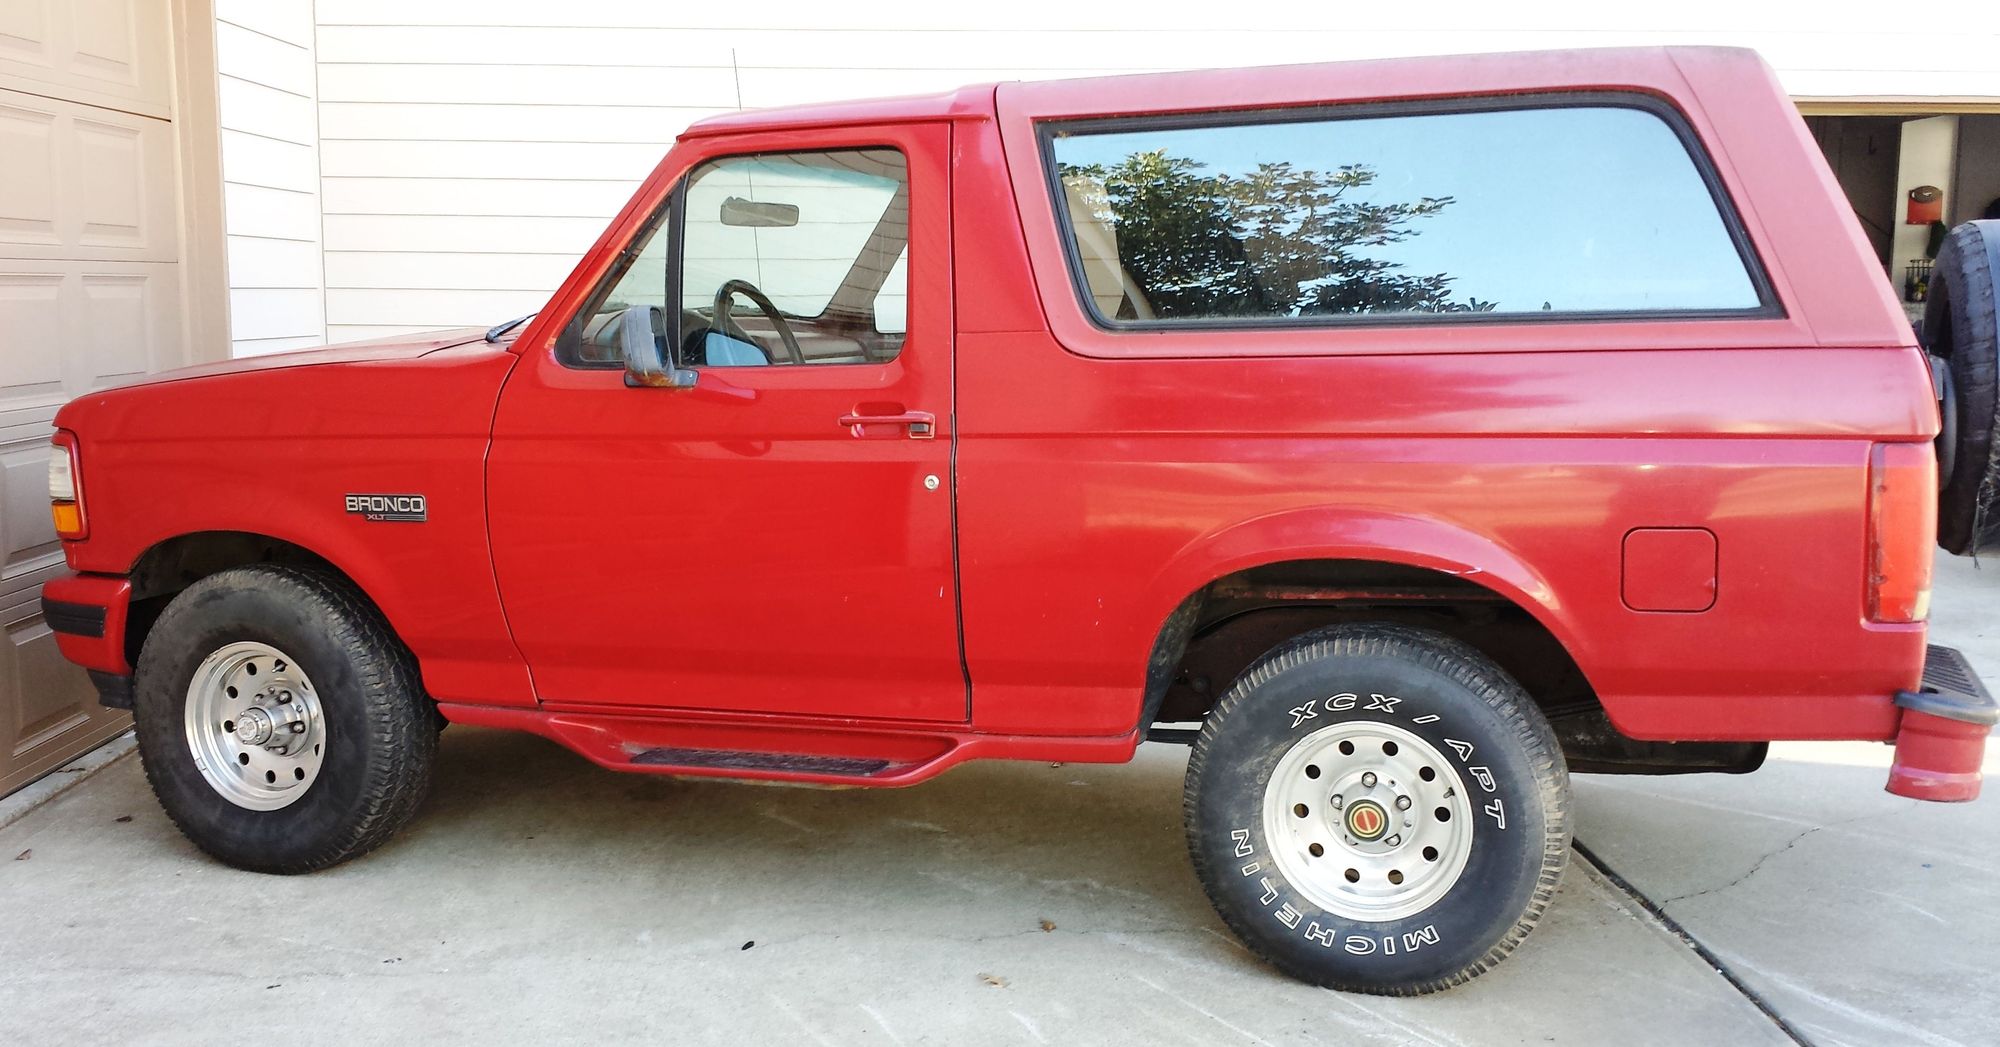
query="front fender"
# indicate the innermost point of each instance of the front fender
(277, 453)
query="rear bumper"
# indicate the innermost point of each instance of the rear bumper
(1941, 737)
(87, 612)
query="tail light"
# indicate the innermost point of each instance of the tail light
(1902, 527)
(66, 489)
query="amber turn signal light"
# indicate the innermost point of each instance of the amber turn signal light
(1902, 527)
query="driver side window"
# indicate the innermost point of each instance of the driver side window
(794, 258)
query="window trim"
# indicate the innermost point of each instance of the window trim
(1047, 131)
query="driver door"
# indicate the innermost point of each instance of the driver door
(775, 537)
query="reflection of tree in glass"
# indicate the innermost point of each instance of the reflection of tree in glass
(1277, 241)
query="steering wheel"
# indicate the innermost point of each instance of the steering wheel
(725, 302)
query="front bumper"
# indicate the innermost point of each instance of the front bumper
(1941, 738)
(87, 612)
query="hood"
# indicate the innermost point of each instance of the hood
(135, 407)
(397, 347)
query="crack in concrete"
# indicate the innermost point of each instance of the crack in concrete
(1666, 920)
(1758, 866)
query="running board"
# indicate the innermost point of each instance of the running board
(760, 763)
(782, 749)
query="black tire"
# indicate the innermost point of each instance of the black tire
(1960, 327)
(379, 725)
(1511, 871)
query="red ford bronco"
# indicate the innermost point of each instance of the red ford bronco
(1403, 435)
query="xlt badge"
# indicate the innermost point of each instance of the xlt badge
(389, 508)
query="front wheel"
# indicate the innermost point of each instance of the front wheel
(282, 725)
(1378, 809)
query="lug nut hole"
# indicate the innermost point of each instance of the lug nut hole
(229, 726)
(243, 758)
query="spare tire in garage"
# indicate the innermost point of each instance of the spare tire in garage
(1960, 329)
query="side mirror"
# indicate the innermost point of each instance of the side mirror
(643, 366)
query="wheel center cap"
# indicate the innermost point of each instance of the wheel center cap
(254, 727)
(1366, 820)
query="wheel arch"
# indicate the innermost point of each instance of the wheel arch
(1337, 534)
(168, 566)
(1235, 595)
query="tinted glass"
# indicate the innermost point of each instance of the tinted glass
(1590, 209)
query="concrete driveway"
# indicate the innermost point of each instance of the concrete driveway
(540, 899)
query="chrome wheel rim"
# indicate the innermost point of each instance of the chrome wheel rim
(254, 726)
(1368, 821)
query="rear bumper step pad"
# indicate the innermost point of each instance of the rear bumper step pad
(1941, 740)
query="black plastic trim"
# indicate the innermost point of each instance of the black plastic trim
(1769, 306)
(742, 760)
(76, 619)
(113, 691)
(1951, 690)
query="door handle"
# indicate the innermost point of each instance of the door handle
(921, 424)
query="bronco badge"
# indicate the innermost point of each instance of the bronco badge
(389, 508)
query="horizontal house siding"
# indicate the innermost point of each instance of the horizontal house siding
(270, 170)
(465, 154)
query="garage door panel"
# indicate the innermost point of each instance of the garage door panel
(83, 182)
(28, 543)
(104, 42)
(28, 178)
(104, 52)
(111, 204)
(25, 41)
(90, 296)
(55, 714)
(31, 312)
(133, 320)
(73, 327)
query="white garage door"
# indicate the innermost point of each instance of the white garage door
(89, 296)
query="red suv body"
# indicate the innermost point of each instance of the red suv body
(1688, 498)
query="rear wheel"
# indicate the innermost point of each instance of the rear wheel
(281, 724)
(1379, 809)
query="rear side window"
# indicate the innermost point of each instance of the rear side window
(1580, 208)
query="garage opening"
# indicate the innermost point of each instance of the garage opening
(1910, 174)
